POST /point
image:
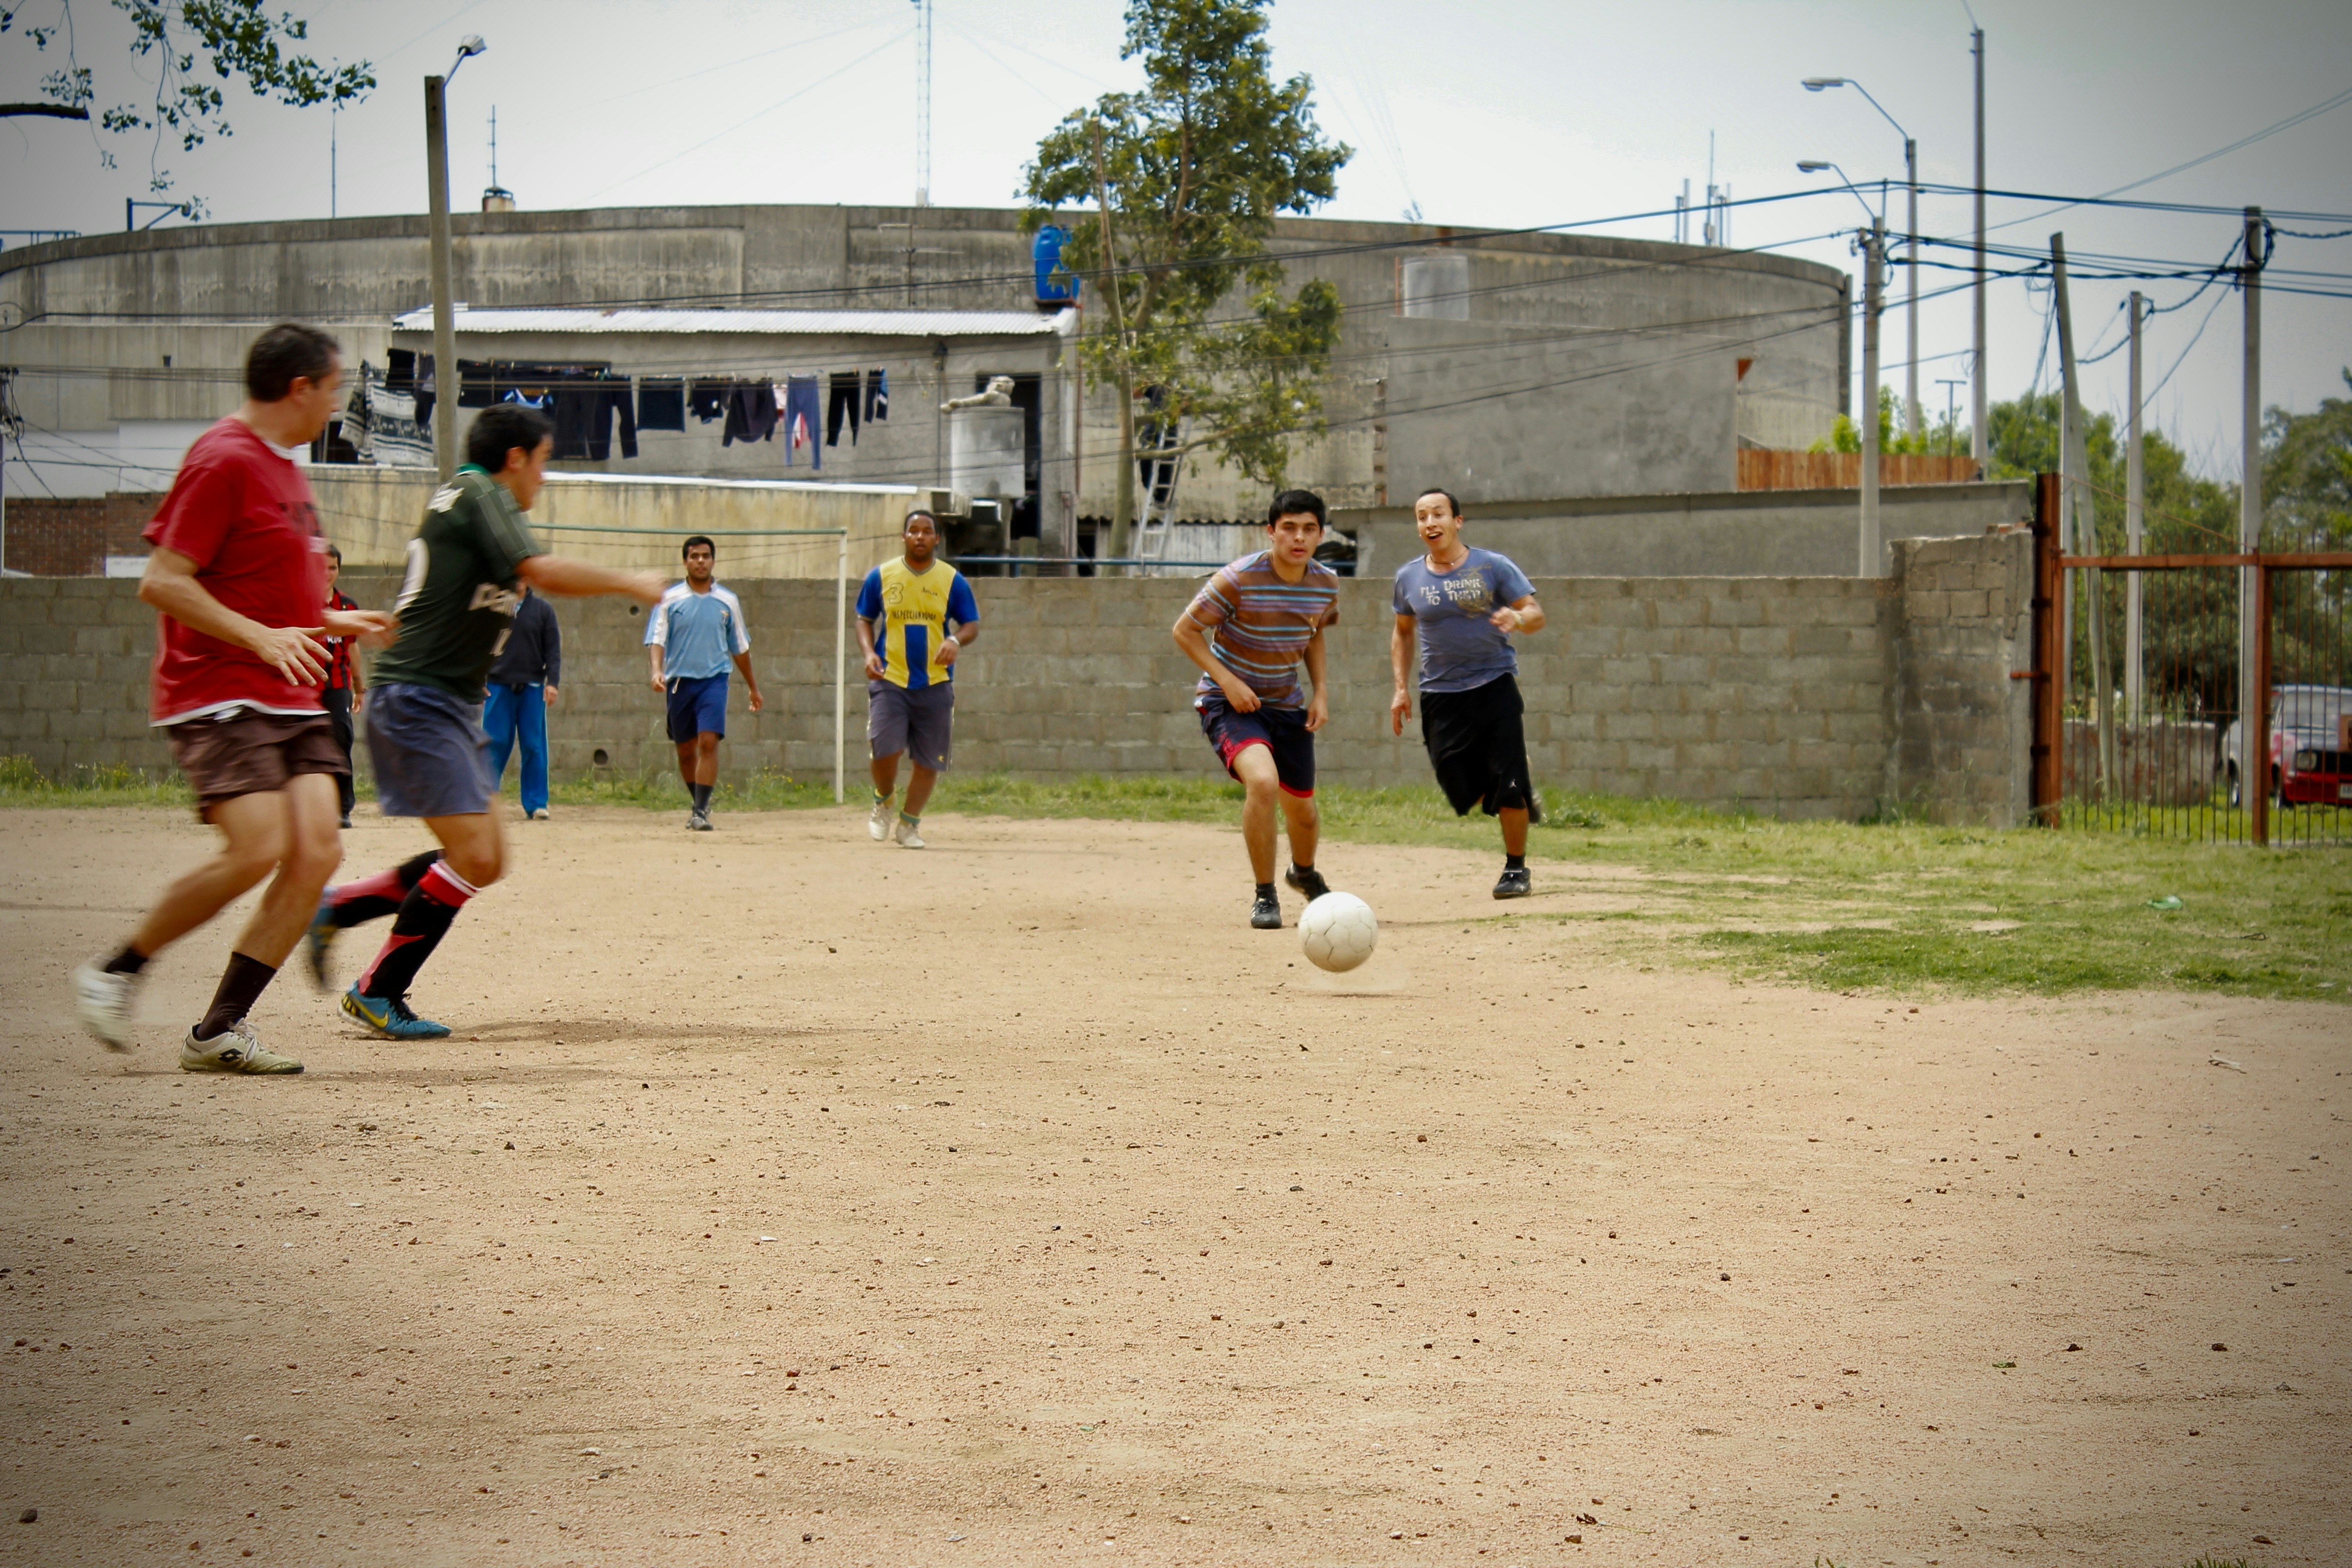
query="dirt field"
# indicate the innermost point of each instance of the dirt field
(784, 1197)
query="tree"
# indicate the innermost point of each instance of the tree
(1185, 178)
(1942, 436)
(236, 40)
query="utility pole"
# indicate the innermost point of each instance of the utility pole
(1951, 410)
(2074, 459)
(2135, 530)
(1874, 249)
(1981, 440)
(922, 104)
(2253, 707)
(445, 327)
(1911, 309)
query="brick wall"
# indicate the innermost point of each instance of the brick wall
(1796, 696)
(72, 536)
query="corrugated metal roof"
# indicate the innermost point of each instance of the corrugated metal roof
(741, 323)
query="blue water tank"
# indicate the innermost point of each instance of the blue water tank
(1047, 252)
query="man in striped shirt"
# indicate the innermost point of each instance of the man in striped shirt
(1247, 630)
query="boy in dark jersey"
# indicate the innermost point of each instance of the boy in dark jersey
(1249, 629)
(424, 716)
(1462, 606)
(238, 578)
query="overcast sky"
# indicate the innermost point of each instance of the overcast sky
(1499, 114)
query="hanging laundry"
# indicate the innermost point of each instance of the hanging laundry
(396, 439)
(709, 400)
(518, 395)
(878, 396)
(583, 420)
(661, 404)
(751, 413)
(840, 399)
(800, 397)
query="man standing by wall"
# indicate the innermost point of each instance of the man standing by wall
(690, 636)
(1247, 630)
(905, 610)
(346, 687)
(238, 580)
(1464, 604)
(523, 687)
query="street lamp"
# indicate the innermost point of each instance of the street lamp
(445, 327)
(1816, 165)
(1911, 174)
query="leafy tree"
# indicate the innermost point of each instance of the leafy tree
(1185, 178)
(236, 40)
(1940, 437)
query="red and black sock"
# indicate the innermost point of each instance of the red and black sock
(424, 920)
(242, 983)
(372, 898)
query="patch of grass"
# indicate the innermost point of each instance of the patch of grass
(22, 785)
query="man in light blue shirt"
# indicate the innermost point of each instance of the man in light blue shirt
(1463, 604)
(691, 636)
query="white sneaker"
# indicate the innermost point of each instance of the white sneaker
(906, 835)
(538, 815)
(235, 1049)
(877, 821)
(105, 1002)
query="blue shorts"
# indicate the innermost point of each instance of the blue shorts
(1281, 731)
(917, 720)
(431, 757)
(698, 705)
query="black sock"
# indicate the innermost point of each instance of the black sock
(242, 983)
(371, 899)
(1515, 862)
(701, 797)
(1265, 889)
(417, 930)
(129, 960)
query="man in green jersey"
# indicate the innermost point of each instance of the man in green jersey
(424, 718)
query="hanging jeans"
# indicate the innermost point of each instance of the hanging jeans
(841, 399)
(878, 396)
(511, 713)
(801, 420)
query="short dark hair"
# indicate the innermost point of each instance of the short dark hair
(286, 351)
(499, 430)
(923, 513)
(1452, 505)
(701, 538)
(336, 554)
(1290, 501)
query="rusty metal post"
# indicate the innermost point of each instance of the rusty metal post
(2048, 775)
(2257, 726)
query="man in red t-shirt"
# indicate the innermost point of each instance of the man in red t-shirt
(238, 576)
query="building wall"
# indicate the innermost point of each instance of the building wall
(1794, 697)
(72, 537)
(1520, 382)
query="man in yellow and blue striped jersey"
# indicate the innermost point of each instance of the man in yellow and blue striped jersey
(915, 617)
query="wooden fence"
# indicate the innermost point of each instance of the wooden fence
(1763, 470)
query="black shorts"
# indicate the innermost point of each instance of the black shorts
(1281, 731)
(1479, 746)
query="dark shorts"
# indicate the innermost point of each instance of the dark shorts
(1479, 746)
(1282, 730)
(698, 705)
(913, 719)
(244, 752)
(430, 754)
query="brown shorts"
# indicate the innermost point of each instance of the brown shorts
(245, 753)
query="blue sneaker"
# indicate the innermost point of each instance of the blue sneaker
(319, 941)
(390, 1017)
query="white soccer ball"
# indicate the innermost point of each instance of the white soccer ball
(1338, 932)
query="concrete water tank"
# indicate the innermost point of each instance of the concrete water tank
(985, 452)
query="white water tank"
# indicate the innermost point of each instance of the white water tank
(986, 452)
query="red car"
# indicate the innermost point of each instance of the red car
(2310, 764)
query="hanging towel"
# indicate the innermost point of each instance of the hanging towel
(840, 399)
(878, 396)
(661, 404)
(800, 397)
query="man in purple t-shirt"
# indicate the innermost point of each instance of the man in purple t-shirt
(1463, 604)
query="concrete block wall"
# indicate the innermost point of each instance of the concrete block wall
(1794, 697)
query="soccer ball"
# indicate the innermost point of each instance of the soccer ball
(1338, 932)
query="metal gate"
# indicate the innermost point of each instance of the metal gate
(2137, 721)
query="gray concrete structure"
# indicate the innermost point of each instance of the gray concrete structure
(1540, 364)
(1814, 697)
(1733, 534)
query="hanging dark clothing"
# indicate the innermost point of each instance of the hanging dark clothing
(878, 396)
(801, 420)
(751, 413)
(709, 400)
(840, 399)
(583, 420)
(661, 406)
